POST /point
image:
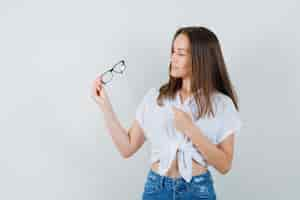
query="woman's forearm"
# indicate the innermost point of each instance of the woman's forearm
(211, 153)
(117, 132)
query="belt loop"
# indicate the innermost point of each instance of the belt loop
(162, 181)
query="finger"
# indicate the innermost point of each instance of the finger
(95, 91)
(98, 88)
(94, 88)
(100, 85)
(98, 81)
(96, 84)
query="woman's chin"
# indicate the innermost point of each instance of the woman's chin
(176, 75)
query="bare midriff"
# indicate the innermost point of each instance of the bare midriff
(174, 170)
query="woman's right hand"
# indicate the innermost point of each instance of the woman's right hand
(100, 96)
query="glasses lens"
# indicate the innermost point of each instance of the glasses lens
(120, 67)
(107, 76)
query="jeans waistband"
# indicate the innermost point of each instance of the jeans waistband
(167, 181)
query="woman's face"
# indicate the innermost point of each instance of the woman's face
(181, 60)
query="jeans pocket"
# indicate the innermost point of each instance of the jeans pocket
(152, 185)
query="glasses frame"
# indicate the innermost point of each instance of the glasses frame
(111, 70)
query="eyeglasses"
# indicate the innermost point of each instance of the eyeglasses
(107, 76)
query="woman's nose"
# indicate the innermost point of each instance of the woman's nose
(173, 58)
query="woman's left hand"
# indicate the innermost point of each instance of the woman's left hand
(182, 120)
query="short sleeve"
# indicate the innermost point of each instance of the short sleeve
(141, 110)
(229, 120)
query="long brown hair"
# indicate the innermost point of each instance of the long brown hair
(209, 73)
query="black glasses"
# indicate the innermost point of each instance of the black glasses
(107, 76)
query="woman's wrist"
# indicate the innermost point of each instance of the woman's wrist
(108, 113)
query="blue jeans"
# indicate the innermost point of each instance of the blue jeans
(167, 188)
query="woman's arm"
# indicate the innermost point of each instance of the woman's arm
(127, 143)
(220, 156)
(117, 132)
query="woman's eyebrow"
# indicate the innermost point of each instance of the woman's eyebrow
(182, 49)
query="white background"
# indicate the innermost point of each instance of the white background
(53, 140)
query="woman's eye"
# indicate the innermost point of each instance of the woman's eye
(180, 54)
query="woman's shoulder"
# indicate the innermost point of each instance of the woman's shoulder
(223, 102)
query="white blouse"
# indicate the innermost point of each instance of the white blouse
(157, 123)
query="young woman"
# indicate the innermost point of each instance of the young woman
(190, 121)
